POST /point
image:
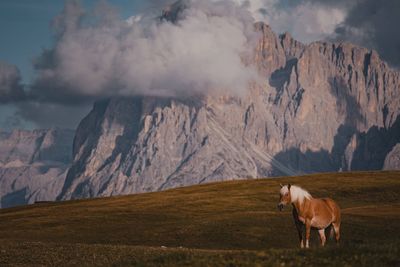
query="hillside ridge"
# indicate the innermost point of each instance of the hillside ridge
(237, 219)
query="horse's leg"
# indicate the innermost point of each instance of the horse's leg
(332, 232)
(322, 236)
(299, 226)
(336, 223)
(308, 230)
(336, 227)
(329, 233)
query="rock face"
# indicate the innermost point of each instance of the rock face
(319, 109)
(33, 165)
(324, 107)
(392, 160)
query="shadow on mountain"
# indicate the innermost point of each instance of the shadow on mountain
(348, 107)
(88, 134)
(308, 162)
(59, 150)
(282, 76)
(372, 146)
(14, 199)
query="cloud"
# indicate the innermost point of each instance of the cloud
(307, 21)
(11, 88)
(369, 23)
(9, 119)
(374, 24)
(48, 115)
(98, 54)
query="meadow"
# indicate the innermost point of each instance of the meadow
(232, 223)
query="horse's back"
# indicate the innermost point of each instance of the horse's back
(334, 207)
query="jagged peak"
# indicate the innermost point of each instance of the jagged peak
(173, 11)
(286, 36)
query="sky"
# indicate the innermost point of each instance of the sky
(25, 30)
(58, 57)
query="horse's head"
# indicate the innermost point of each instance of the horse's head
(284, 196)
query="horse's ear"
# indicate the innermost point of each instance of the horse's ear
(281, 185)
(288, 186)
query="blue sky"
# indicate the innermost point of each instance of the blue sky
(25, 28)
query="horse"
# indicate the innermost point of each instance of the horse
(319, 213)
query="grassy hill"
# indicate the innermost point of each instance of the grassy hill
(221, 224)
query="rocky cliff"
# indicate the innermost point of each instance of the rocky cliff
(33, 165)
(323, 107)
(392, 160)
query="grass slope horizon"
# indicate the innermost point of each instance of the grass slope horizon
(224, 223)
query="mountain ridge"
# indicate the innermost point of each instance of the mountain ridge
(310, 116)
(322, 107)
(33, 165)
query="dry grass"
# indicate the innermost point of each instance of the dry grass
(214, 224)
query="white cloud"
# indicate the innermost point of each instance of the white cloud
(203, 50)
(306, 21)
(98, 54)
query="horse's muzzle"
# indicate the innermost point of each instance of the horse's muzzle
(280, 206)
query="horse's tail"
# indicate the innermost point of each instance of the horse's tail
(336, 223)
(336, 218)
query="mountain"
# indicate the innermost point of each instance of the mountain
(324, 107)
(392, 160)
(33, 165)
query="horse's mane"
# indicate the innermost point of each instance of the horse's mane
(299, 194)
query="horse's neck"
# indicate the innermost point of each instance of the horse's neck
(300, 206)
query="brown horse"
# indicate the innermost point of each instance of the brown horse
(319, 213)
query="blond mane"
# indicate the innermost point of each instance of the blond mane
(299, 194)
(296, 193)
